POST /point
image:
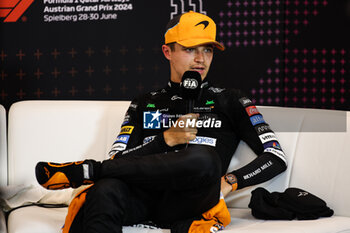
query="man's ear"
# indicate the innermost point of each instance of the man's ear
(166, 51)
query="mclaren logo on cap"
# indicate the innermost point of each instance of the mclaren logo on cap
(204, 22)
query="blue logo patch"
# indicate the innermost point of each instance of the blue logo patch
(151, 120)
(148, 139)
(257, 119)
(123, 138)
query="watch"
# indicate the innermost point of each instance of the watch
(232, 180)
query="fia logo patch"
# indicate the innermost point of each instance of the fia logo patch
(190, 83)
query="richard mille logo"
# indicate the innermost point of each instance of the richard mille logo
(205, 23)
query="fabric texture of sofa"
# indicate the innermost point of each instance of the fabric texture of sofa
(316, 143)
(3, 147)
(3, 161)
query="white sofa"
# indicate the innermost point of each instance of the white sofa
(3, 160)
(3, 147)
(316, 142)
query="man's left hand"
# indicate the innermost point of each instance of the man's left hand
(226, 188)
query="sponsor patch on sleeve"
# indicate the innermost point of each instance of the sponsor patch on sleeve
(279, 153)
(133, 106)
(273, 144)
(126, 119)
(123, 138)
(245, 101)
(118, 147)
(257, 119)
(267, 137)
(125, 123)
(148, 139)
(126, 129)
(251, 110)
(263, 128)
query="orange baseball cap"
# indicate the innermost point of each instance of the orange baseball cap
(191, 29)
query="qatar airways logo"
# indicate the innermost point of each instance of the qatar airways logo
(157, 120)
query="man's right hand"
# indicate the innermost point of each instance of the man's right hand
(180, 135)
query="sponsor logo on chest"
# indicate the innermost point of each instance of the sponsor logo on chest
(204, 141)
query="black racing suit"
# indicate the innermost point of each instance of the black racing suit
(152, 181)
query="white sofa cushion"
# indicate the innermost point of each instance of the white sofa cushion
(60, 131)
(50, 220)
(3, 147)
(242, 222)
(322, 167)
(37, 219)
(42, 220)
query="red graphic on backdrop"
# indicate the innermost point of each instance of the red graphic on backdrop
(11, 10)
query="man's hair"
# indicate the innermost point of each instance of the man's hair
(171, 24)
(172, 46)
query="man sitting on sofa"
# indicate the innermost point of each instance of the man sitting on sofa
(162, 169)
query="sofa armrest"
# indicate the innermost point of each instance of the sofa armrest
(3, 147)
(3, 228)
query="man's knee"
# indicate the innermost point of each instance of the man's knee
(205, 160)
(108, 191)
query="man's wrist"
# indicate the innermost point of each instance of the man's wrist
(168, 139)
(231, 180)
